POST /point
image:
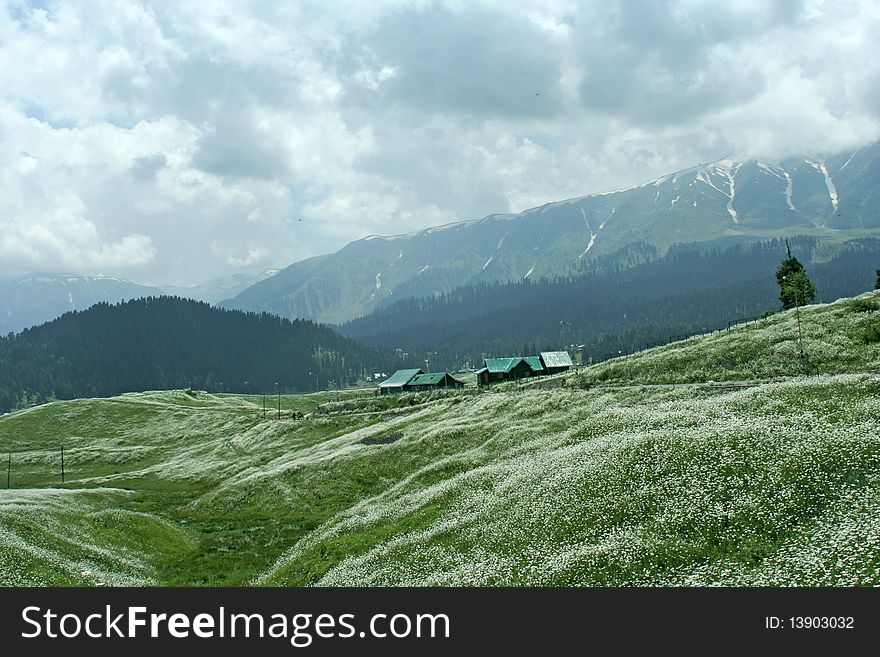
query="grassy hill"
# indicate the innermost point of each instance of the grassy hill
(599, 482)
(837, 337)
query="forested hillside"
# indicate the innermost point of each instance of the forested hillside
(168, 342)
(617, 307)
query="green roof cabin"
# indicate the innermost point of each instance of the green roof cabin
(397, 382)
(556, 361)
(433, 381)
(508, 369)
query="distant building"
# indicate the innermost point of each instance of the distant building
(536, 365)
(397, 381)
(506, 369)
(433, 381)
(520, 367)
(556, 361)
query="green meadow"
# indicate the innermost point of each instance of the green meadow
(643, 470)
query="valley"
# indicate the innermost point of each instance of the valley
(609, 475)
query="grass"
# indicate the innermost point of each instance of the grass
(838, 337)
(605, 481)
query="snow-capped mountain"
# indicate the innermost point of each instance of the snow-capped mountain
(39, 298)
(725, 200)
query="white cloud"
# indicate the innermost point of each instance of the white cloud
(170, 142)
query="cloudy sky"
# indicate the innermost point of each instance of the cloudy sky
(171, 142)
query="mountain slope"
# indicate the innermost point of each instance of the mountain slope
(725, 200)
(771, 485)
(689, 290)
(39, 298)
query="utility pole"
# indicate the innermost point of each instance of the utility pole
(264, 405)
(8, 469)
(278, 390)
(62, 464)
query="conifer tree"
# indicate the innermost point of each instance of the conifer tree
(795, 287)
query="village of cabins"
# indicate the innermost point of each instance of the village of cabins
(494, 370)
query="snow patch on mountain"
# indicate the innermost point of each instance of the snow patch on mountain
(829, 183)
(788, 190)
(729, 170)
(589, 245)
(845, 164)
(780, 172)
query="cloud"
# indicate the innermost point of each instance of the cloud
(172, 142)
(255, 256)
(145, 167)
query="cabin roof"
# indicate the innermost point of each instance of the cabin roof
(400, 378)
(495, 365)
(556, 359)
(534, 362)
(429, 379)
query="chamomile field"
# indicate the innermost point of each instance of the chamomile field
(608, 479)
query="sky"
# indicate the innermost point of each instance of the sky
(170, 143)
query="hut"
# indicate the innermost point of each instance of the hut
(397, 382)
(433, 381)
(556, 361)
(504, 369)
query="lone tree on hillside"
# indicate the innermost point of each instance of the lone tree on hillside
(877, 284)
(795, 287)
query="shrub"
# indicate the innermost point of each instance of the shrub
(871, 333)
(863, 305)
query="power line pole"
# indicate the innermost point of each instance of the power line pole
(62, 464)
(278, 390)
(8, 469)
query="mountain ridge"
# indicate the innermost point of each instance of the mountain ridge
(40, 297)
(729, 198)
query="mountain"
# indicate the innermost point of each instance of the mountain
(724, 201)
(218, 289)
(39, 298)
(691, 289)
(167, 342)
